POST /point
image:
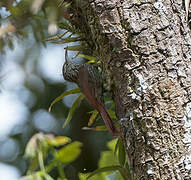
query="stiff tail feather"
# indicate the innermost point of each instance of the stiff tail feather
(108, 121)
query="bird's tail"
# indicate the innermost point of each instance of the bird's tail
(108, 121)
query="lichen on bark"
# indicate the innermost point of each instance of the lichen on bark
(146, 49)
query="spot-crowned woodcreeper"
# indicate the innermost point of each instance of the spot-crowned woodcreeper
(89, 80)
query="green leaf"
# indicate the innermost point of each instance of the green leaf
(34, 144)
(121, 153)
(111, 144)
(49, 167)
(90, 62)
(90, 58)
(47, 176)
(57, 37)
(35, 176)
(68, 40)
(110, 168)
(72, 110)
(116, 149)
(93, 117)
(59, 141)
(69, 153)
(75, 48)
(111, 113)
(100, 128)
(33, 164)
(37, 145)
(83, 176)
(97, 128)
(65, 4)
(67, 26)
(61, 170)
(107, 157)
(66, 93)
(41, 161)
(122, 157)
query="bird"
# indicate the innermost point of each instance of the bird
(90, 82)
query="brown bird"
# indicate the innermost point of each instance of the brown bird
(89, 80)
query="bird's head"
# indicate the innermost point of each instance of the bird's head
(70, 69)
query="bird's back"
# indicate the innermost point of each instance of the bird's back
(90, 83)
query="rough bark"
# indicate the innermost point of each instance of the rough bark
(146, 49)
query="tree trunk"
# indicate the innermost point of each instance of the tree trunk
(146, 49)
